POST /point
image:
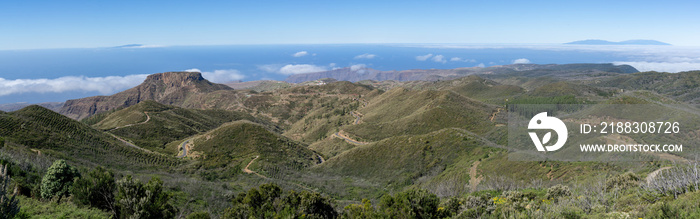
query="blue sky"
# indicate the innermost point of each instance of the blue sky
(80, 24)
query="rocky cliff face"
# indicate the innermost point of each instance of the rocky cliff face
(172, 88)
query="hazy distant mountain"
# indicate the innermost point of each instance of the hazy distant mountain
(627, 42)
(354, 75)
(9, 107)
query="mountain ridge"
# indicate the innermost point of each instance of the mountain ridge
(171, 88)
(355, 75)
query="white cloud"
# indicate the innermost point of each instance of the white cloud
(673, 67)
(295, 69)
(301, 53)
(458, 59)
(102, 85)
(357, 67)
(521, 61)
(300, 69)
(220, 76)
(365, 56)
(439, 58)
(223, 76)
(481, 65)
(424, 57)
(272, 68)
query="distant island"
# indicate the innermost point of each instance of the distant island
(627, 42)
(134, 46)
(129, 46)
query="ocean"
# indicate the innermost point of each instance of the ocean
(33, 75)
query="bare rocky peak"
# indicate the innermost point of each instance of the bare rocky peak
(172, 88)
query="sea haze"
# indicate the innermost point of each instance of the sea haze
(91, 71)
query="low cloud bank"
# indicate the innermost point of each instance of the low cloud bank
(102, 85)
(220, 76)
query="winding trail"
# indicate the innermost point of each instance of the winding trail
(320, 159)
(358, 118)
(148, 118)
(655, 173)
(474, 181)
(663, 156)
(129, 143)
(184, 149)
(248, 171)
(348, 139)
(493, 116)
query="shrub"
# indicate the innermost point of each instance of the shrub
(623, 181)
(410, 204)
(558, 191)
(8, 205)
(96, 189)
(136, 200)
(451, 207)
(364, 210)
(199, 215)
(267, 201)
(58, 180)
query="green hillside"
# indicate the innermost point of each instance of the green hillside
(407, 112)
(233, 145)
(60, 137)
(152, 125)
(443, 142)
(683, 86)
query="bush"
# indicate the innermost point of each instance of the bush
(8, 205)
(623, 181)
(136, 200)
(96, 190)
(558, 191)
(411, 204)
(33, 208)
(364, 210)
(199, 215)
(268, 202)
(58, 180)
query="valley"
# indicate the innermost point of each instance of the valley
(353, 137)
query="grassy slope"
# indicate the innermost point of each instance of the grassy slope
(408, 112)
(64, 138)
(234, 145)
(684, 86)
(167, 123)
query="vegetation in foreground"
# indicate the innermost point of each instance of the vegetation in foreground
(97, 194)
(420, 183)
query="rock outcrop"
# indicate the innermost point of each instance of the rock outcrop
(172, 88)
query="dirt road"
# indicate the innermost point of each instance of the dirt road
(148, 118)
